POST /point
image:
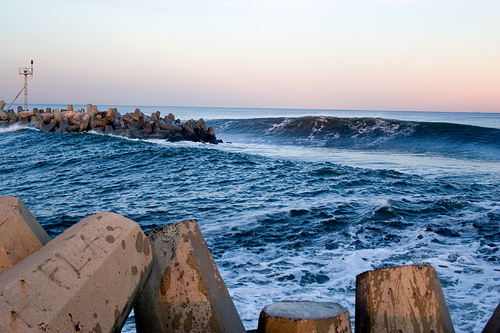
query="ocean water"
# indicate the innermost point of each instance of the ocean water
(295, 203)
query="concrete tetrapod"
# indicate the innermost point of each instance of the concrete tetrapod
(185, 292)
(493, 325)
(401, 299)
(304, 316)
(85, 280)
(20, 232)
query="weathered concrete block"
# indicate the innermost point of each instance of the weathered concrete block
(84, 123)
(68, 114)
(156, 126)
(401, 299)
(92, 113)
(20, 232)
(46, 117)
(50, 127)
(85, 280)
(112, 113)
(148, 128)
(493, 325)
(12, 116)
(304, 316)
(171, 128)
(132, 126)
(72, 128)
(185, 292)
(3, 116)
(25, 114)
(201, 124)
(57, 116)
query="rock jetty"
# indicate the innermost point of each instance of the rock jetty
(131, 125)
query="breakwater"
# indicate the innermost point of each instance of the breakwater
(132, 125)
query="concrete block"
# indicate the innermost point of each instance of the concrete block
(401, 299)
(20, 232)
(57, 116)
(185, 292)
(304, 316)
(85, 280)
(493, 325)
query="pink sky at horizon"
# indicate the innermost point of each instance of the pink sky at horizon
(372, 55)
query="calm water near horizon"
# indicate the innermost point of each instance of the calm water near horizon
(295, 203)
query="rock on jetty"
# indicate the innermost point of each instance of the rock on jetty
(131, 125)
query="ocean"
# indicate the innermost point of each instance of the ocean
(294, 203)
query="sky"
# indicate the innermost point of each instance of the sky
(418, 55)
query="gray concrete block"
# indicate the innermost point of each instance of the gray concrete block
(401, 299)
(185, 292)
(20, 232)
(85, 280)
(304, 316)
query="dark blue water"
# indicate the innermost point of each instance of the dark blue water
(292, 207)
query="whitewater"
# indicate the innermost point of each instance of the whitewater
(294, 203)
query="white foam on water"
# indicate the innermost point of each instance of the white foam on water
(16, 127)
(257, 279)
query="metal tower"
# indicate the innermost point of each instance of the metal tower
(26, 72)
